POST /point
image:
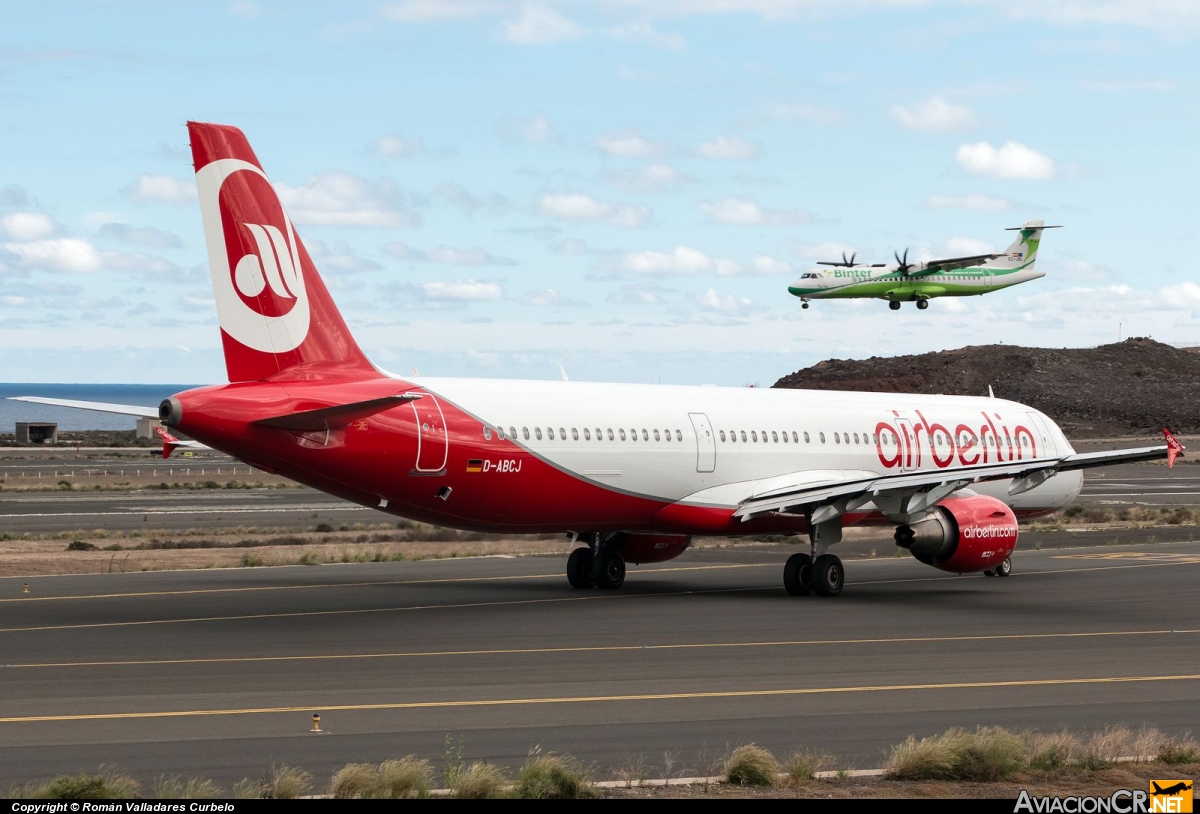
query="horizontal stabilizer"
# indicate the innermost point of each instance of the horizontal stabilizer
(97, 406)
(336, 416)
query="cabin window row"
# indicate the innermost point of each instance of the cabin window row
(600, 434)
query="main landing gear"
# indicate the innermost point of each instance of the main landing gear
(817, 573)
(600, 565)
(1001, 570)
(922, 304)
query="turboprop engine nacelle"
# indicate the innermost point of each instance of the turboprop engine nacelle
(962, 535)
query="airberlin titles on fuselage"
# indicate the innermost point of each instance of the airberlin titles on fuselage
(970, 446)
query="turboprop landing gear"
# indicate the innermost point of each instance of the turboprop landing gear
(599, 565)
(894, 305)
(922, 304)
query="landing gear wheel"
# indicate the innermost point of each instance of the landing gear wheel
(894, 305)
(991, 572)
(803, 305)
(608, 571)
(922, 304)
(828, 575)
(797, 575)
(579, 568)
(1004, 568)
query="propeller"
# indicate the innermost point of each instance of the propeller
(849, 262)
(902, 265)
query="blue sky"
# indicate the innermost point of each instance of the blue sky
(625, 188)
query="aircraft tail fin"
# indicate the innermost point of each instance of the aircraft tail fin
(1022, 252)
(277, 318)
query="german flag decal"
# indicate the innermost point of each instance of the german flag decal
(475, 465)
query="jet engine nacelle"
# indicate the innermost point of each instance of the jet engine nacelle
(644, 548)
(962, 535)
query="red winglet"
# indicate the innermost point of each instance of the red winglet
(1174, 448)
(170, 442)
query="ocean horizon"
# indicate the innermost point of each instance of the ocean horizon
(141, 395)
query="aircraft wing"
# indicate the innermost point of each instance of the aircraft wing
(952, 263)
(911, 492)
(97, 406)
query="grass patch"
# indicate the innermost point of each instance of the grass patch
(287, 783)
(1052, 752)
(104, 785)
(399, 779)
(196, 788)
(1174, 751)
(479, 781)
(987, 754)
(751, 765)
(802, 767)
(550, 777)
(1101, 750)
(352, 781)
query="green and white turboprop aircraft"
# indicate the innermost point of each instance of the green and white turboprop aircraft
(921, 281)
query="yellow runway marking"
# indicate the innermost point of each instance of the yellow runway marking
(525, 651)
(371, 584)
(395, 609)
(548, 600)
(599, 699)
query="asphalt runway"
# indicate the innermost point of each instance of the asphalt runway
(216, 673)
(176, 509)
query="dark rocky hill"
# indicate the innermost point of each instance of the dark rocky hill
(1132, 387)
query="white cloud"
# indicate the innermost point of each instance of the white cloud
(16, 301)
(656, 177)
(967, 247)
(644, 33)
(935, 115)
(745, 212)
(971, 203)
(462, 290)
(628, 144)
(431, 11)
(341, 199)
(532, 129)
(729, 148)
(27, 225)
(13, 195)
(766, 264)
(139, 236)
(645, 293)
(539, 25)
(710, 300)
(682, 260)
(339, 257)
(447, 255)
(1013, 160)
(806, 111)
(571, 247)
(578, 206)
(150, 188)
(397, 146)
(551, 297)
(65, 254)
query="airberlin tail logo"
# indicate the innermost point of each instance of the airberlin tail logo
(257, 275)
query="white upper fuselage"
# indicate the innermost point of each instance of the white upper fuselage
(719, 445)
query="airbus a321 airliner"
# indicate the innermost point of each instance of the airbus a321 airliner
(630, 472)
